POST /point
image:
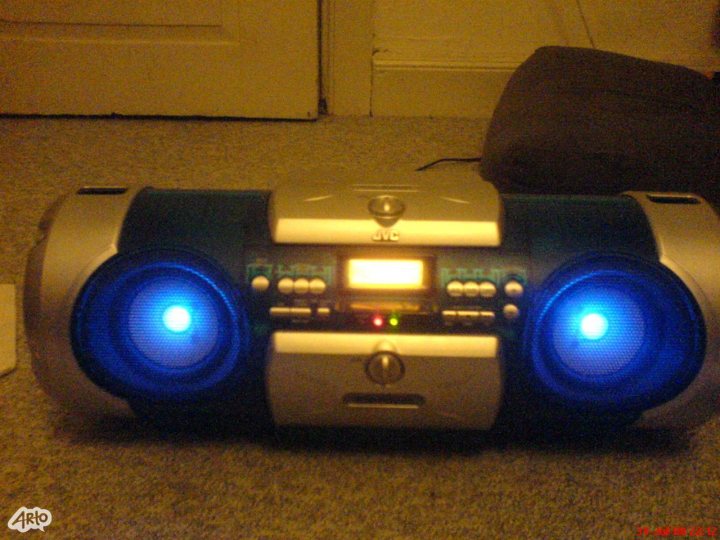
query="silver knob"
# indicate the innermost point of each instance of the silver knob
(386, 209)
(385, 368)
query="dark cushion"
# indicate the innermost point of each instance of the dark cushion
(574, 120)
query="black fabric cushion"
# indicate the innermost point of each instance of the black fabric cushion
(574, 120)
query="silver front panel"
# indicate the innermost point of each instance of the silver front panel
(325, 379)
(77, 235)
(687, 235)
(431, 208)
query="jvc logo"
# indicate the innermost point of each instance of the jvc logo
(386, 235)
(30, 518)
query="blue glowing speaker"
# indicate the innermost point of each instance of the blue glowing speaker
(424, 300)
(161, 325)
(613, 333)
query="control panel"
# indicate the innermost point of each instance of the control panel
(407, 290)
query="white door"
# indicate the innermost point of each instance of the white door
(241, 58)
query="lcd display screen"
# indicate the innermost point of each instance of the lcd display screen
(386, 274)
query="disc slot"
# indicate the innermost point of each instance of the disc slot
(383, 401)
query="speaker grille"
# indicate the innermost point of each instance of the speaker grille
(161, 325)
(613, 333)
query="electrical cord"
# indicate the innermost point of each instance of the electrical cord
(448, 160)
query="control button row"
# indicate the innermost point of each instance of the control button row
(484, 289)
(301, 286)
(286, 285)
(471, 289)
(468, 316)
(285, 312)
(510, 312)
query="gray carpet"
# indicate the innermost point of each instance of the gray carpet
(130, 480)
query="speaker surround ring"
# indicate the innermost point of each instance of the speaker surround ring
(124, 341)
(613, 333)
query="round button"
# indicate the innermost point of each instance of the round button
(386, 206)
(514, 289)
(385, 368)
(317, 286)
(511, 312)
(260, 284)
(301, 286)
(471, 289)
(487, 289)
(455, 288)
(285, 285)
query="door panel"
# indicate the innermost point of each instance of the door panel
(245, 58)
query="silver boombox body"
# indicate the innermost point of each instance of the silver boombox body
(423, 300)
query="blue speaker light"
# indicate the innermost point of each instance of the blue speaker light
(597, 328)
(161, 325)
(613, 333)
(177, 319)
(593, 326)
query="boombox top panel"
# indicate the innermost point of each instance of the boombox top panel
(437, 208)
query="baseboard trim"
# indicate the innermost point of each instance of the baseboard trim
(464, 89)
(420, 88)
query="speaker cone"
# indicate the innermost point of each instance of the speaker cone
(161, 325)
(613, 333)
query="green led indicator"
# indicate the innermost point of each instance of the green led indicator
(393, 320)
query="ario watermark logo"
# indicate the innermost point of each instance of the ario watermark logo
(30, 518)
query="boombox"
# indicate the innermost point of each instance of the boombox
(421, 300)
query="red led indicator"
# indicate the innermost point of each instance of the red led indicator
(378, 321)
